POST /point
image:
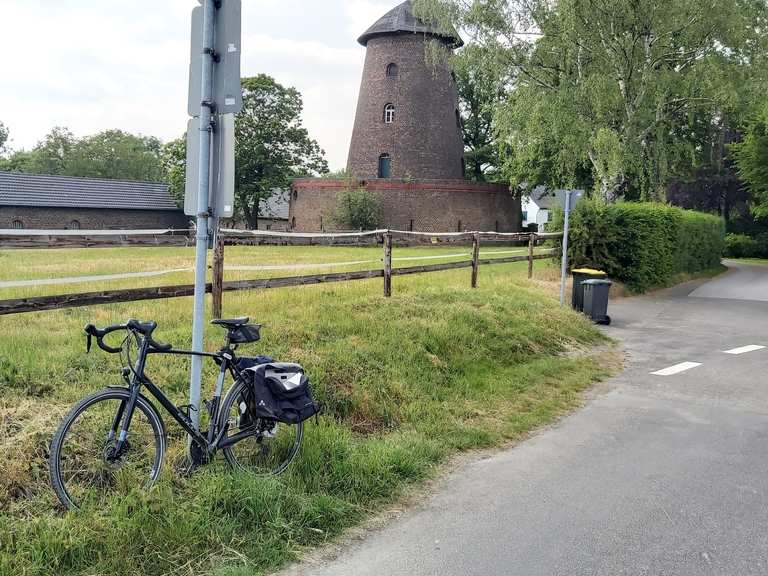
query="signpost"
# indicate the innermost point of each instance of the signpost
(569, 199)
(215, 95)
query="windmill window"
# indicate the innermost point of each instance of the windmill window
(389, 113)
(17, 225)
(385, 166)
(392, 71)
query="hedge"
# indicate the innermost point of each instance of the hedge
(645, 245)
(743, 246)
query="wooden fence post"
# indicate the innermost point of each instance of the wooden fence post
(218, 276)
(475, 258)
(387, 264)
(531, 246)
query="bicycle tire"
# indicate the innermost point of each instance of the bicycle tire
(233, 399)
(143, 406)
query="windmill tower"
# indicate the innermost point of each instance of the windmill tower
(408, 124)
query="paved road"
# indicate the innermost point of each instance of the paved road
(662, 475)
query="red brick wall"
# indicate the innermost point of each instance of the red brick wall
(91, 219)
(422, 205)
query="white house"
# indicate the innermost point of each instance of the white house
(537, 208)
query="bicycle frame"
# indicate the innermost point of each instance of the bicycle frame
(226, 359)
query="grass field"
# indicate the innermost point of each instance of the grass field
(407, 382)
(174, 265)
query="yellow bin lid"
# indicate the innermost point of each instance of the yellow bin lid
(589, 271)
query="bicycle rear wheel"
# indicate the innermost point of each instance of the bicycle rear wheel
(84, 467)
(268, 447)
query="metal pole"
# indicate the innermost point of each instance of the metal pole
(564, 275)
(201, 253)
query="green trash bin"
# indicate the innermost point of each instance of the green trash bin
(579, 277)
(596, 294)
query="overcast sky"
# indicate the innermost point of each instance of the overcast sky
(91, 65)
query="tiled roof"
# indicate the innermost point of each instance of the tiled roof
(66, 192)
(400, 20)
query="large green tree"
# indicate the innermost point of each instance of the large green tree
(272, 146)
(481, 84)
(112, 154)
(752, 160)
(606, 91)
(116, 155)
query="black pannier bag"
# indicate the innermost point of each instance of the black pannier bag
(281, 392)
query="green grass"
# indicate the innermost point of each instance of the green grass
(28, 265)
(407, 383)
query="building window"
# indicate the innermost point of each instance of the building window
(392, 71)
(389, 113)
(458, 119)
(385, 166)
(74, 225)
(463, 168)
(17, 225)
(460, 228)
(525, 215)
(293, 223)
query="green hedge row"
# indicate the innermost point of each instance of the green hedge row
(645, 245)
(743, 246)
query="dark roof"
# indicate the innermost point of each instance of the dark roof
(66, 192)
(401, 20)
(543, 198)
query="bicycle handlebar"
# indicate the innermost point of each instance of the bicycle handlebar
(144, 328)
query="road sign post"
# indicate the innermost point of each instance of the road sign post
(568, 199)
(214, 90)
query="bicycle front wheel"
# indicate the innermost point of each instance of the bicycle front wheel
(267, 447)
(85, 467)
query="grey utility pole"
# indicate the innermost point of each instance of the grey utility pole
(566, 230)
(569, 199)
(201, 237)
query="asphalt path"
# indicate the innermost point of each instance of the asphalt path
(663, 473)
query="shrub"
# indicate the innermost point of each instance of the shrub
(743, 246)
(358, 209)
(645, 245)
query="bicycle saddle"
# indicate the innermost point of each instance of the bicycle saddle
(232, 323)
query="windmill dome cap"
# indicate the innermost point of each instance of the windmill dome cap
(400, 20)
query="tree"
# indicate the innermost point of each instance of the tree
(272, 147)
(3, 137)
(174, 162)
(605, 90)
(49, 156)
(481, 87)
(751, 157)
(115, 155)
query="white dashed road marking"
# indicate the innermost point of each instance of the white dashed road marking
(745, 350)
(676, 369)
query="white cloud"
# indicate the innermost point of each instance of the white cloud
(92, 65)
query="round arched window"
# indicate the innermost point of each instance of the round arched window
(389, 113)
(392, 71)
(17, 225)
(74, 225)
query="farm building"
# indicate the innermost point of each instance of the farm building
(33, 201)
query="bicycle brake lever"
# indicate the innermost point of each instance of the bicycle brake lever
(88, 344)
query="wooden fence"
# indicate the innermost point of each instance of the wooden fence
(42, 239)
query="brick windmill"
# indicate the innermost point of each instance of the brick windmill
(408, 122)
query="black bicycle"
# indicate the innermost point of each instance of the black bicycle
(115, 440)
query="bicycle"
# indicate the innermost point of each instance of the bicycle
(115, 439)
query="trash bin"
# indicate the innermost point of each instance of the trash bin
(579, 276)
(596, 300)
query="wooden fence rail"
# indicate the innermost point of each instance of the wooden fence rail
(218, 287)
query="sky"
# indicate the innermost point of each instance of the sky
(93, 65)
